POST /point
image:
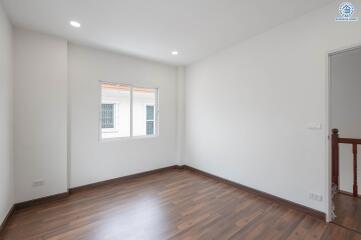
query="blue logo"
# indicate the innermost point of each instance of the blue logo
(346, 10)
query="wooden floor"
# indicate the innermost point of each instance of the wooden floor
(348, 211)
(177, 204)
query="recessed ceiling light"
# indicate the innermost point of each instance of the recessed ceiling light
(75, 24)
(174, 52)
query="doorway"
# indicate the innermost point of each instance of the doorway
(345, 126)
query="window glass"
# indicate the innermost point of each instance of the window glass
(115, 112)
(144, 102)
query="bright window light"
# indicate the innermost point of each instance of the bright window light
(128, 111)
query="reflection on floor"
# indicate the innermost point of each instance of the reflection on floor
(348, 211)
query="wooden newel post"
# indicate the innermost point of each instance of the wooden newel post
(355, 188)
(335, 157)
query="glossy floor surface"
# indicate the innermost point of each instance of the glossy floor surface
(348, 211)
(175, 204)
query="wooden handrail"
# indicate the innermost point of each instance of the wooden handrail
(336, 140)
(349, 140)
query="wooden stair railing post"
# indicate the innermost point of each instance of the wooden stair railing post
(355, 187)
(335, 157)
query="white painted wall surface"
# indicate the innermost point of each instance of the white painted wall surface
(345, 109)
(6, 126)
(248, 107)
(40, 114)
(93, 160)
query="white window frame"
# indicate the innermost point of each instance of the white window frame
(131, 86)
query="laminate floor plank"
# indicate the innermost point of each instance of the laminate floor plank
(348, 211)
(174, 204)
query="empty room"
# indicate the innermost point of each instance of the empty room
(180, 119)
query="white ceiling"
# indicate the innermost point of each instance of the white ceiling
(153, 28)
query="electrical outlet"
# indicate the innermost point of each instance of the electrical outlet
(316, 197)
(38, 183)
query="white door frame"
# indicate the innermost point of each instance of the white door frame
(327, 129)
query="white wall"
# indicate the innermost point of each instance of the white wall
(248, 107)
(93, 160)
(345, 109)
(40, 114)
(6, 156)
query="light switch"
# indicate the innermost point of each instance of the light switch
(314, 126)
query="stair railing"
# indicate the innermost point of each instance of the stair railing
(336, 140)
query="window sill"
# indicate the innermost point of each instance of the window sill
(128, 138)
